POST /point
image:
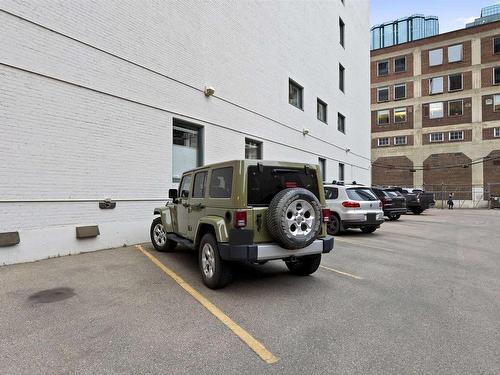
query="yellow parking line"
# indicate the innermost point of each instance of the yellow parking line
(342, 273)
(248, 339)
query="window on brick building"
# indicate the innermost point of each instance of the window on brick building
(436, 110)
(295, 94)
(383, 117)
(436, 57)
(383, 68)
(496, 103)
(382, 94)
(400, 140)
(253, 149)
(496, 132)
(496, 75)
(455, 53)
(435, 85)
(455, 108)
(456, 135)
(341, 122)
(400, 91)
(321, 110)
(383, 142)
(436, 137)
(455, 82)
(400, 114)
(400, 64)
(496, 44)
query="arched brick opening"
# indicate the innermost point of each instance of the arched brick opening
(491, 172)
(392, 170)
(448, 173)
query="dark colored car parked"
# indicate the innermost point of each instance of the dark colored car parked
(393, 203)
(417, 200)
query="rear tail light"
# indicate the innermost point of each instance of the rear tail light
(350, 204)
(240, 219)
(326, 215)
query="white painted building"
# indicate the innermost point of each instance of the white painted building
(105, 99)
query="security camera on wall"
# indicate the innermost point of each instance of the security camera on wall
(209, 91)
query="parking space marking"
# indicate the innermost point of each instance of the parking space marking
(365, 245)
(248, 339)
(342, 272)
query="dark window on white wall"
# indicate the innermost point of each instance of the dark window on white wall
(341, 172)
(341, 123)
(341, 32)
(383, 68)
(253, 149)
(455, 82)
(321, 109)
(341, 77)
(295, 94)
(400, 64)
(322, 168)
(186, 148)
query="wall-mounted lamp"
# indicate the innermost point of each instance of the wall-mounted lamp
(305, 131)
(347, 150)
(209, 91)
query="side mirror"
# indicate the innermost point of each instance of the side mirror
(172, 193)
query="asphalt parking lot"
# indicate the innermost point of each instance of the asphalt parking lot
(421, 295)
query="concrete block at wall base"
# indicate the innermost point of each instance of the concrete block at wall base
(9, 239)
(54, 241)
(88, 231)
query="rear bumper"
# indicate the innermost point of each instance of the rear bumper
(360, 224)
(399, 210)
(270, 251)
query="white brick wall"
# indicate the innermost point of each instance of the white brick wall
(77, 121)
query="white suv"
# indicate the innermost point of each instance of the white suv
(352, 206)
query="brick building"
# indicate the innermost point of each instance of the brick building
(436, 113)
(106, 99)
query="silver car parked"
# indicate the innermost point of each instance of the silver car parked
(352, 206)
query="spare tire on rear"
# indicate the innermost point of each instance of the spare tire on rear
(294, 218)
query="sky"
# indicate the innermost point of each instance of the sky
(452, 14)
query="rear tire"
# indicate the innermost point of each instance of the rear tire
(159, 237)
(368, 229)
(417, 211)
(333, 226)
(304, 266)
(393, 217)
(216, 273)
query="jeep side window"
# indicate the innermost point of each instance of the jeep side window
(221, 182)
(184, 186)
(200, 181)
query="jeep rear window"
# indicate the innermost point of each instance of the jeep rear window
(265, 184)
(361, 194)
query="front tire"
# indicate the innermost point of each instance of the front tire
(216, 273)
(368, 229)
(393, 217)
(304, 266)
(159, 237)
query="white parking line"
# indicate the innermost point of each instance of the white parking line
(342, 272)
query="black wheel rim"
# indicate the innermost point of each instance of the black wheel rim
(333, 225)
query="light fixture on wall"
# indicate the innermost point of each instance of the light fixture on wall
(347, 150)
(209, 91)
(305, 131)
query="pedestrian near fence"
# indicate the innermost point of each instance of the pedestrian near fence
(450, 201)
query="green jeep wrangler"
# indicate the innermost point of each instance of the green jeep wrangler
(246, 210)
